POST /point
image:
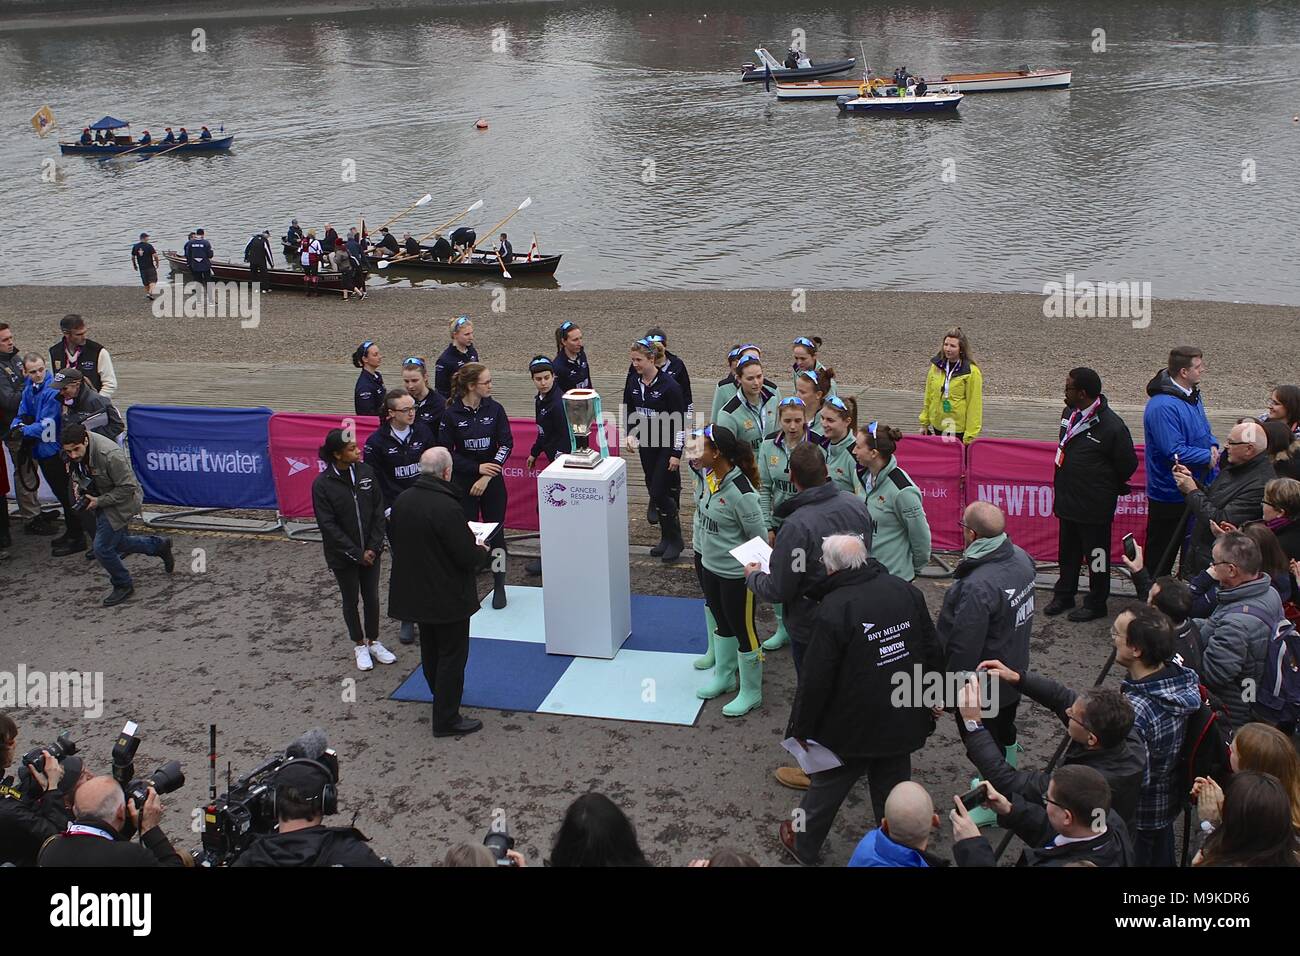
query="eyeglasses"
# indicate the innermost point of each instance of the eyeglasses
(655, 338)
(871, 429)
(404, 409)
(1231, 442)
(1230, 564)
(565, 326)
(747, 361)
(366, 347)
(805, 373)
(462, 320)
(644, 343)
(413, 361)
(705, 432)
(796, 402)
(1071, 716)
(806, 343)
(836, 402)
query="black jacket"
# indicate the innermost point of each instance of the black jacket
(350, 514)
(314, 846)
(1122, 765)
(1288, 536)
(397, 463)
(552, 425)
(1029, 822)
(1096, 466)
(96, 412)
(74, 849)
(870, 626)
(435, 559)
(12, 382)
(1235, 495)
(26, 824)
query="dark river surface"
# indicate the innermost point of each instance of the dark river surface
(1172, 160)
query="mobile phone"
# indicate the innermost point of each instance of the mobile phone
(976, 798)
(1130, 547)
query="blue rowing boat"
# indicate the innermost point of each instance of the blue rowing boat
(214, 145)
(900, 105)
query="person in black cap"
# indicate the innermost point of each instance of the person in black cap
(81, 403)
(552, 426)
(305, 793)
(144, 260)
(388, 241)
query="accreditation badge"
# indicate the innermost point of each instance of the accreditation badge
(947, 405)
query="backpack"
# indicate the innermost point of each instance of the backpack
(1204, 754)
(1278, 696)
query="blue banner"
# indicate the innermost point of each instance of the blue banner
(202, 457)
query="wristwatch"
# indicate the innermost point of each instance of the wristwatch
(972, 726)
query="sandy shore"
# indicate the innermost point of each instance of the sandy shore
(873, 339)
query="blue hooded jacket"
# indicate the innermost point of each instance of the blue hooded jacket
(41, 403)
(1175, 424)
(876, 849)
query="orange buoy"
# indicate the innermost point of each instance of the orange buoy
(481, 124)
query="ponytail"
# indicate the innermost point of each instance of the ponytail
(360, 353)
(850, 410)
(885, 440)
(466, 377)
(562, 333)
(739, 453)
(651, 349)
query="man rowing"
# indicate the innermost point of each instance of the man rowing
(170, 138)
(184, 137)
(462, 243)
(205, 135)
(505, 250)
(145, 138)
(388, 241)
(441, 250)
(410, 245)
(86, 138)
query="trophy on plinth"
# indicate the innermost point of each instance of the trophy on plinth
(580, 405)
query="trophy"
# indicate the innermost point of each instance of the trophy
(580, 410)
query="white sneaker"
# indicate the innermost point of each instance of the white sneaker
(364, 663)
(381, 653)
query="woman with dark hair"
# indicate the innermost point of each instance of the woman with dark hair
(429, 405)
(814, 387)
(349, 507)
(1282, 514)
(901, 539)
(595, 832)
(1284, 406)
(570, 364)
(460, 352)
(368, 395)
(727, 386)
(655, 413)
(839, 422)
(476, 431)
(730, 514)
(805, 359)
(1273, 560)
(1279, 438)
(750, 414)
(1256, 829)
(954, 391)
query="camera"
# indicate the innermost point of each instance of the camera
(79, 487)
(498, 841)
(975, 798)
(63, 746)
(166, 779)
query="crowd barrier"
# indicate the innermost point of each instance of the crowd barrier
(936, 464)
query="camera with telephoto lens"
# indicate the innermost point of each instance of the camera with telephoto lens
(498, 841)
(63, 746)
(79, 486)
(166, 779)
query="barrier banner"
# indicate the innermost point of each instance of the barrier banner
(201, 457)
(1017, 476)
(936, 465)
(521, 481)
(295, 439)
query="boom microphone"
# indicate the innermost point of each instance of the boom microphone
(310, 745)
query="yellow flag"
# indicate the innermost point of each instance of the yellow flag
(43, 121)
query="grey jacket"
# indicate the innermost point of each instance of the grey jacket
(1234, 644)
(1236, 495)
(116, 489)
(796, 564)
(988, 613)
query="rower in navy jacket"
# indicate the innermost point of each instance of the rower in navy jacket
(548, 410)
(429, 404)
(170, 137)
(571, 368)
(674, 366)
(145, 138)
(86, 138)
(505, 250)
(395, 447)
(477, 432)
(410, 245)
(655, 413)
(205, 135)
(368, 396)
(460, 352)
(184, 137)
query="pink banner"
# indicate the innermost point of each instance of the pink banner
(1017, 476)
(294, 439)
(521, 481)
(936, 465)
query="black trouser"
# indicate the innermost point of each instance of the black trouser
(1166, 521)
(257, 272)
(1001, 726)
(203, 278)
(665, 486)
(356, 581)
(828, 789)
(489, 506)
(1089, 543)
(732, 604)
(444, 649)
(56, 476)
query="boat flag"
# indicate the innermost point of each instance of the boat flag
(533, 248)
(43, 121)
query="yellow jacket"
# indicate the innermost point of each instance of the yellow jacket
(964, 414)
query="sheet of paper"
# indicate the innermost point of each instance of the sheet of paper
(755, 549)
(814, 759)
(482, 530)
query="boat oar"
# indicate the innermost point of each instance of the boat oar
(505, 273)
(522, 206)
(385, 263)
(127, 152)
(168, 149)
(419, 202)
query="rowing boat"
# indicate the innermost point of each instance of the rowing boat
(480, 264)
(769, 67)
(900, 105)
(960, 82)
(213, 145)
(273, 279)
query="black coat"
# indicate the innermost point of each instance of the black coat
(1029, 822)
(1288, 536)
(869, 626)
(152, 849)
(435, 559)
(350, 516)
(25, 825)
(313, 846)
(1095, 469)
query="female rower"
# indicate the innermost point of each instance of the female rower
(726, 388)
(460, 352)
(750, 414)
(730, 515)
(814, 387)
(429, 404)
(656, 428)
(368, 396)
(805, 357)
(675, 367)
(954, 391)
(901, 539)
(570, 364)
(553, 432)
(476, 430)
(839, 421)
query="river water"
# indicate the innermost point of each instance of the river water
(1172, 160)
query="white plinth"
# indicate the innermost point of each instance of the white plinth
(586, 577)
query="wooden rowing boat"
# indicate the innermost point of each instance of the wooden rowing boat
(214, 145)
(1007, 80)
(275, 278)
(486, 265)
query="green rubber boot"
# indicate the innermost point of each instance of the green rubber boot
(782, 637)
(751, 685)
(1013, 754)
(724, 671)
(707, 661)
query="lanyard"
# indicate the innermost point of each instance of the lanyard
(949, 369)
(760, 413)
(1079, 421)
(79, 829)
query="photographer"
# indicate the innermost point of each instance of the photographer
(94, 838)
(304, 793)
(26, 824)
(102, 484)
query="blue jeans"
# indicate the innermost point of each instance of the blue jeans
(1154, 847)
(110, 545)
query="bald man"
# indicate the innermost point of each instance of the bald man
(1234, 497)
(94, 838)
(989, 611)
(904, 834)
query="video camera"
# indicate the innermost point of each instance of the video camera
(232, 821)
(168, 778)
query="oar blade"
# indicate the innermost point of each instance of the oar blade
(478, 205)
(427, 197)
(525, 204)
